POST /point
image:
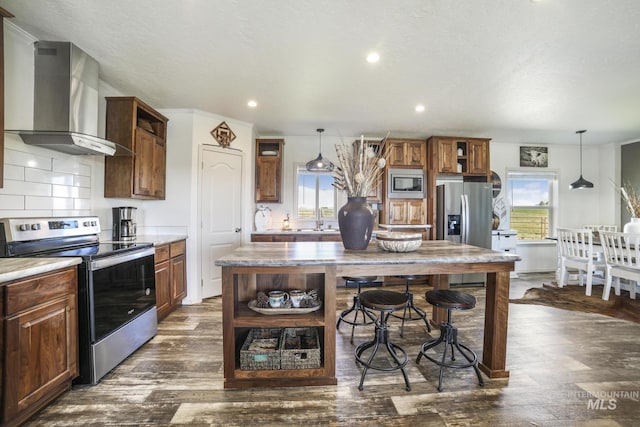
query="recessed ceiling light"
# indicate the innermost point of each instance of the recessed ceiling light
(373, 57)
(419, 108)
(252, 104)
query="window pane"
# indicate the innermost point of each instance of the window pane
(306, 196)
(530, 192)
(532, 200)
(326, 196)
(531, 224)
(316, 195)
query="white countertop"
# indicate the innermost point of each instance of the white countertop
(19, 268)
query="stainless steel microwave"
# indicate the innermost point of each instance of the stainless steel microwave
(406, 184)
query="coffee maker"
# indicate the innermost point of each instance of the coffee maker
(124, 223)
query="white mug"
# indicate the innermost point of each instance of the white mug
(296, 297)
(278, 298)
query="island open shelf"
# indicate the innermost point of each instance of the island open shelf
(243, 283)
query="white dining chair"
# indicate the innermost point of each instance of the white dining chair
(622, 258)
(575, 249)
(600, 227)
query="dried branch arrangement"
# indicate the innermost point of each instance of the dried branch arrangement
(632, 199)
(360, 168)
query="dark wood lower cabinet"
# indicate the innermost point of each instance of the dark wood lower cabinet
(39, 341)
(171, 276)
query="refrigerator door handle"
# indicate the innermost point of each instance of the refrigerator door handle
(465, 219)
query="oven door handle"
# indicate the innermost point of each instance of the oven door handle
(119, 259)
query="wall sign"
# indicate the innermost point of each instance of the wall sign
(223, 134)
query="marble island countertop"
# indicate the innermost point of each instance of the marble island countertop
(431, 252)
(18, 268)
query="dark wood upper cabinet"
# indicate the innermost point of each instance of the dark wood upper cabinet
(269, 155)
(3, 14)
(141, 129)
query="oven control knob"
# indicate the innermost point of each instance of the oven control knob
(86, 224)
(35, 226)
(23, 227)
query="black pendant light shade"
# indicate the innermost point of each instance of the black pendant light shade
(580, 182)
(320, 164)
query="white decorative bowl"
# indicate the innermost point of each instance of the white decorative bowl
(395, 241)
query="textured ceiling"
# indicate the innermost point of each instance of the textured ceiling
(512, 70)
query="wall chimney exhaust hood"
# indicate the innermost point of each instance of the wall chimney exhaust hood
(65, 104)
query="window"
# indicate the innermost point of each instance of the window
(316, 195)
(533, 202)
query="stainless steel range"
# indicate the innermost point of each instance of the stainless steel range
(116, 285)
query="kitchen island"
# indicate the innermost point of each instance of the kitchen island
(317, 265)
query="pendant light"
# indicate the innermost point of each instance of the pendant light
(319, 164)
(581, 182)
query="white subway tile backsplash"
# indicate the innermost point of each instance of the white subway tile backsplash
(37, 185)
(49, 177)
(14, 172)
(71, 212)
(19, 213)
(25, 188)
(71, 166)
(74, 192)
(81, 204)
(20, 158)
(10, 202)
(48, 203)
(81, 181)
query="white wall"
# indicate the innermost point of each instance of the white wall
(189, 130)
(575, 207)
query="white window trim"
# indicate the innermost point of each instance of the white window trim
(554, 199)
(296, 167)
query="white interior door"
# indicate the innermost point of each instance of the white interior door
(221, 197)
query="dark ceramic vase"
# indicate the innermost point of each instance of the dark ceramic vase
(355, 220)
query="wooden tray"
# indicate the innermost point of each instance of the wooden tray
(284, 310)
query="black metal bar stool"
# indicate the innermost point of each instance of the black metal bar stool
(385, 302)
(411, 307)
(450, 300)
(357, 308)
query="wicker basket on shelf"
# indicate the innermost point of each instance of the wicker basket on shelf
(261, 349)
(300, 349)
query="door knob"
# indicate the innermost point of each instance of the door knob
(238, 229)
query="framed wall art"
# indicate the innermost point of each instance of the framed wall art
(537, 157)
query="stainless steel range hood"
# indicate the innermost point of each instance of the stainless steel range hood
(65, 111)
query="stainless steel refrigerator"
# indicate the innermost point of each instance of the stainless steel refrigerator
(463, 215)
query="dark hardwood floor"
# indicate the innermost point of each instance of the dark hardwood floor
(567, 368)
